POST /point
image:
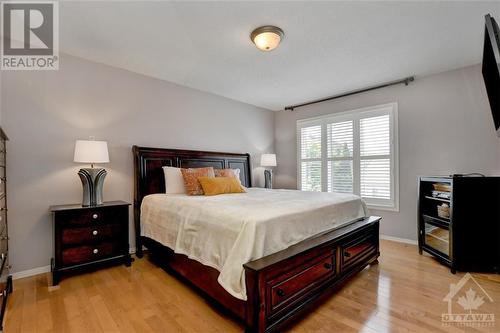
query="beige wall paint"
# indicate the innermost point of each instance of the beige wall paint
(45, 112)
(445, 127)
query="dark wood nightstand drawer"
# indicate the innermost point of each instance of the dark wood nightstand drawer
(89, 217)
(88, 253)
(75, 236)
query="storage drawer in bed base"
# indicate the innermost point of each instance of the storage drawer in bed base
(282, 285)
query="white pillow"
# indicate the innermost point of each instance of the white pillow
(174, 182)
(237, 173)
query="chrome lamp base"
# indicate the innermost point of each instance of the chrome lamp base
(92, 181)
(268, 178)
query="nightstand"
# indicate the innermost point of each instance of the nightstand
(89, 237)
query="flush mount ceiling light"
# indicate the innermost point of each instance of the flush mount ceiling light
(267, 38)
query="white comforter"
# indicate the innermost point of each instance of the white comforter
(226, 231)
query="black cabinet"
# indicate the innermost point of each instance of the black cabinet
(88, 237)
(459, 221)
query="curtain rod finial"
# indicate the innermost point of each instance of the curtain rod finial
(409, 79)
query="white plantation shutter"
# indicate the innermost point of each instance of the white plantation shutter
(310, 154)
(375, 157)
(310, 138)
(340, 141)
(376, 178)
(311, 176)
(340, 176)
(351, 152)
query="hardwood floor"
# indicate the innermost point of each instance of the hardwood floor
(404, 293)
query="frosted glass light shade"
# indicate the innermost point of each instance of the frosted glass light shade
(267, 38)
(268, 160)
(88, 151)
(267, 41)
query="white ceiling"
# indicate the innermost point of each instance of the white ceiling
(329, 47)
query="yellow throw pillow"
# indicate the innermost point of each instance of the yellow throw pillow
(220, 185)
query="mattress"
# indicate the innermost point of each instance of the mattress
(229, 230)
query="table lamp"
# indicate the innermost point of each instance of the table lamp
(268, 160)
(91, 152)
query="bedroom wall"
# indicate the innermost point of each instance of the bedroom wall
(445, 127)
(45, 112)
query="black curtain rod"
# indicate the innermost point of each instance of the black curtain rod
(406, 81)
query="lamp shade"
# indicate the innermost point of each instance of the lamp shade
(268, 160)
(88, 151)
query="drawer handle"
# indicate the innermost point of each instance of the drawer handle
(96, 251)
(327, 265)
(94, 232)
(347, 254)
(95, 216)
(280, 292)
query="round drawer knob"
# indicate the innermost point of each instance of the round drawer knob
(327, 265)
(94, 232)
(96, 251)
(280, 292)
(95, 216)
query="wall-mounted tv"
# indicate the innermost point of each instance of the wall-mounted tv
(491, 68)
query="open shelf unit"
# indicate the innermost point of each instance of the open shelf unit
(459, 221)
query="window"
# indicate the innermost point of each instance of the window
(351, 152)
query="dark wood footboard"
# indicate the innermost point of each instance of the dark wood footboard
(282, 285)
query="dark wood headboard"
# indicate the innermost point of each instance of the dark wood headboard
(148, 172)
(148, 163)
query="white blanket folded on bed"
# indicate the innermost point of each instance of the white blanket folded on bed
(227, 231)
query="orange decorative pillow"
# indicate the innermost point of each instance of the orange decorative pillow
(191, 176)
(234, 173)
(220, 185)
(224, 173)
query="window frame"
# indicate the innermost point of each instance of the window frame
(355, 115)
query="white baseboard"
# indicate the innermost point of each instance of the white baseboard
(43, 269)
(399, 240)
(31, 272)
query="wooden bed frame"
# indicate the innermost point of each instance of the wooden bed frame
(279, 286)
